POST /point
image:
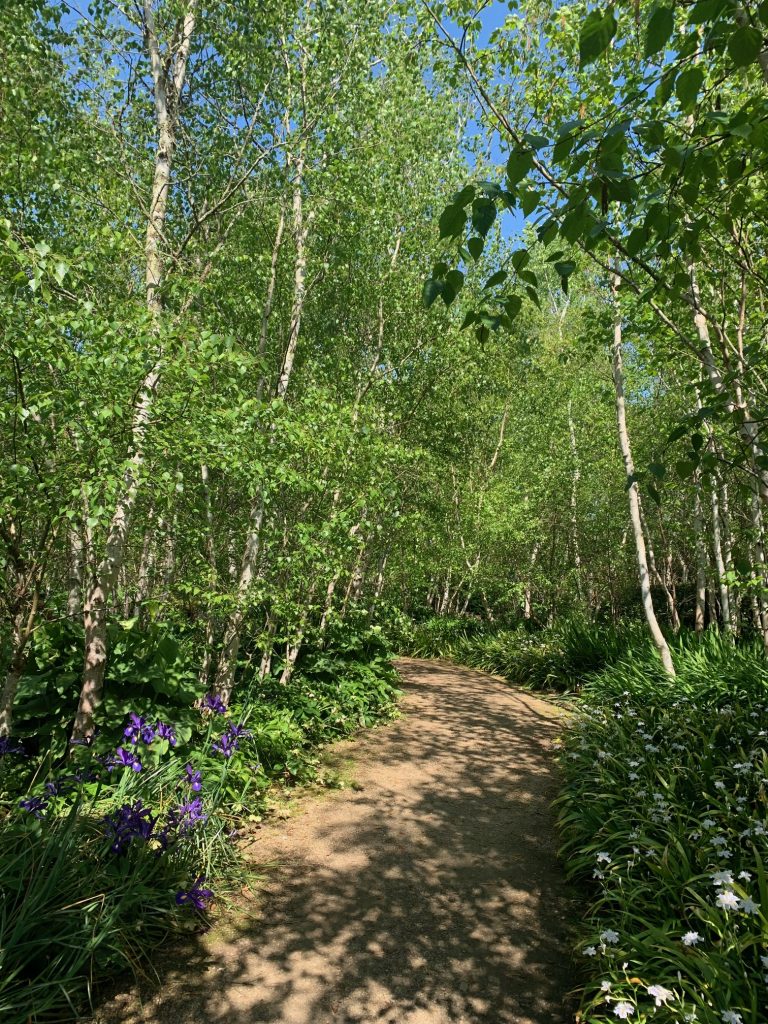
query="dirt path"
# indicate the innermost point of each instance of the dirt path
(428, 894)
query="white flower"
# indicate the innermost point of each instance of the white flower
(605, 986)
(603, 857)
(691, 938)
(731, 1017)
(745, 876)
(708, 823)
(633, 776)
(719, 785)
(609, 936)
(660, 994)
(722, 878)
(764, 961)
(589, 951)
(727, 900)
(625, 1010)
(748, 906)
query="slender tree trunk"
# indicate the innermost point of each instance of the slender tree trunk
(575, 478)
(75, 582)
(22, 631)
(527, 593)
(210, 555)
(168, 81)
(634, 503)
(717, 549)
(701, 558)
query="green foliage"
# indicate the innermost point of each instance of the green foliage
(663, 820)
(559, 658)
(74, 911)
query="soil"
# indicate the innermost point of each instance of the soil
(428, 892)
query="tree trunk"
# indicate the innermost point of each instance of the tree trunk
(701, 558)
(634, 499)
(75, 582)
(22, 631)
(575, 477)
(168, 81)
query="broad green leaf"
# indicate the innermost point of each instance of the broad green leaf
(475, 246)
(744, 45)
(687, 86)
(597, 31)
(660, 27)
(432, 289)
(498, 278)
(519, 164)
(452, 221)
(483, 215)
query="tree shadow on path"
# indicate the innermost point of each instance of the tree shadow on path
(431, 894)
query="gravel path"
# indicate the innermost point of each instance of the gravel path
(429, 893)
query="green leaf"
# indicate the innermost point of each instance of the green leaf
(483, 215)
(744, 45)
(529, 200)
(475, 246)
(657, 469)
(469, 319)
(512, 306)
(685, 468)
(498, 278)
(565, 267)
(660, 27)
(688, 85)
(455, 280)
(597, 31)
(533, 295)
(432, 289)
(519, 164)
(452, 221)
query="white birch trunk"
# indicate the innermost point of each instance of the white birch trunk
(168, 82)
(634, 503)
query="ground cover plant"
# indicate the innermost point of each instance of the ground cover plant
(663, 818)
(559, 658)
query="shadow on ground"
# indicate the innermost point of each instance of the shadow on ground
(430, 894)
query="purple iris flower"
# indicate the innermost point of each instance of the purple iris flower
(131, 821)
(166, 732)
(9, 746)
(35, 805)
(126, 758)
(138, 728)
(229, 740)
(189, 814)
(196, 896)
(194, 778)
(212, 702)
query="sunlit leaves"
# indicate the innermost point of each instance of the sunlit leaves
(597, 31)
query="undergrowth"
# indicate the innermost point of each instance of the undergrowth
(109, 846)
(557, 658)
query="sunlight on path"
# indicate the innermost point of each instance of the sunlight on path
(430, 894)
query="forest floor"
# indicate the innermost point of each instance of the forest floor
(428, 892)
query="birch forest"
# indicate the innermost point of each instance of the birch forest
(333, 331)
